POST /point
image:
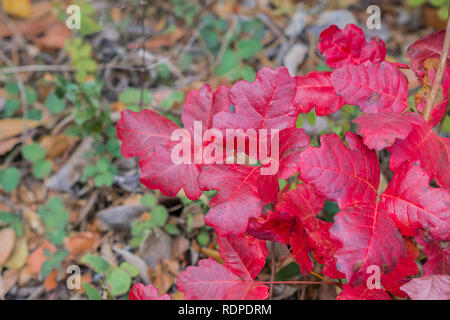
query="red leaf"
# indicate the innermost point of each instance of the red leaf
(438, 260)
(213, 281)
(414, 205)
(406, 267)
(379, 130)
(349, 46)
(315, 90)
(244, 255)
(375, 88)
(160, 172)
(425, 48)
(141, 292)
(237, 199)
(203, 104)
(142, 132)
(362, 293)
(346, 176)
(369, 237)
(265, 103)
(292, 140)
(435, 287)
(423, 145)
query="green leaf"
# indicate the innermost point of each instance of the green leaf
(42, 168)
(159, 215)
(104, 179)
(311, 118)
(288, 272)
(172, 229)
(13, 220)
(91, 292)
(230, 61)
(9, 179)
(249, 47)
(30, 95)
(98, 264)
(130, 269)
(203, 238)
(33, 152)
(119, 281)
(11, 106)
(54, 104)
(149, 200)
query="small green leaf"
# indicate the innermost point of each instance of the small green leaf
(91, 292)
(130, 269)
(249, 47)
(54, 104)
(159, 215)
(149, 200)
(42, 168)
(98, 264)
(13, 220)
(33, 152)
(9, 179)
(172, 229)
(203, 238)
(288, 272)
(119, 281)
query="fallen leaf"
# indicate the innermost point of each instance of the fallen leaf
(7, 281)
(8, 144)
(213, 254)
(14, 126)
(18, 8)
(80, 243)
(50, 282)
(37, 258)
(7, 241)
(19, 256)
(56, 145)
(55, 37)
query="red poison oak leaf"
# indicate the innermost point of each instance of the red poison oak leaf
(366, 85)
(141, 292)
(214, 281)
(438, 255)
(434, 287)
(379, 130)
(362, 293)
(348, 46)
(266, 103)
(414, 205)
(237, 197)
(315, 90)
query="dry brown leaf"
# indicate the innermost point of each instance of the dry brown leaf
(55, 37)
(164, 40)
(19, 255)
(14, 126)
(50, 281)
(178, 295)
(8, 144)
(56, 145)
(7, 241)
(18, 8)
(37, 258)
(161, 279)
(7, 281)
(81, 243)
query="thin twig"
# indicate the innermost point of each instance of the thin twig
(440, 72)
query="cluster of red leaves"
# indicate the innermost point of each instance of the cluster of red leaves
(371, 229)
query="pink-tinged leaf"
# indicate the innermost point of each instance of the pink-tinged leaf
(149, 292)
(414, 205)
(211, 280)
(374, 88)
(203, 104)
(426, 48)
(362, 293)
(406, 267)
(423, 145)
(346, 176)
(275, 226)
(244, 255)
(292, 140)
(368, 237)
(141, 132)
(379, 130)
(267, 103)
(160, 172)
(237, 197)
(349, 46)
(438, 255)
(315, 90)
(434, 287)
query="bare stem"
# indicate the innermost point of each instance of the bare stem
(440, 72)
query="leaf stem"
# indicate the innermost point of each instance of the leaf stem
(440, 72)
